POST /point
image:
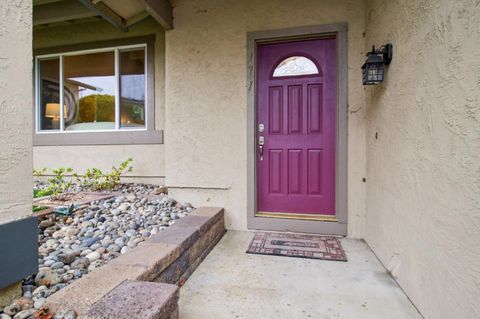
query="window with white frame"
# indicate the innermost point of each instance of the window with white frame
(93, 90)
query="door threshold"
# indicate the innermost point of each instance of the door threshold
(323, 218)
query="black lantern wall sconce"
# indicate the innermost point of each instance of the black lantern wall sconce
(373, 70)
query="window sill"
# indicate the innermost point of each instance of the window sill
(99, 138)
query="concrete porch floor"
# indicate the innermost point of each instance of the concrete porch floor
(232, 284)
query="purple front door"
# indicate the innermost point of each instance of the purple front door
(296, 125)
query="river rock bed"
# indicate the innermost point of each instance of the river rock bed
(72, 246)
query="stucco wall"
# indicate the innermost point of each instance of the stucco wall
(148, 159)
(206, 97)
(423, 202)
(15, 109)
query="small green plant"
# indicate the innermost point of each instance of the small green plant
(61, 183)
(36, 208)
(64, 178)
(39, 172)
(113, 178)
(92, 178)
(41, 192)
(97, 179)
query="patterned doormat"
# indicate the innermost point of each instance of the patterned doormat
(297, 245)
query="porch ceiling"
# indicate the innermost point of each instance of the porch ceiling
(122, 14)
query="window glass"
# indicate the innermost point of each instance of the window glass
(294, 66)
(90, 91)
(49, 97)
(132, 88)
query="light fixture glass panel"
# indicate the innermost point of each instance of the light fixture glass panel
(132, 88)
(90, 91)
(295, 66)
(49, 97)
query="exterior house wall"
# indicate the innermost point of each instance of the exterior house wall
(15, 110)
(206, 97)
(205, 120)
(16, 90)
(423, 199)
(148, 160)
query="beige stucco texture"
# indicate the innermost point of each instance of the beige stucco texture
(148, 160)
(15, 109)
(414, 138)
(206, 97)
(423, 207)
(201, 74)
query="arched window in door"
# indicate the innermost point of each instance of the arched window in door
(295, 66)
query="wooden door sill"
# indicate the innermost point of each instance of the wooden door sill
(312, 217)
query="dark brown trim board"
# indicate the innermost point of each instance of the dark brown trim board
(338, 227)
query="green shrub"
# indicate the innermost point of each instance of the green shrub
(41, 192)
(96, 179)
(61, 183)
(36, 208)
(63, 179)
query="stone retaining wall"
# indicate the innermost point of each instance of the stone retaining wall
(168, 257)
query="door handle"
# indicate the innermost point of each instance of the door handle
(261, 142)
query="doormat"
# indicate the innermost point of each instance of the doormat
(297, 245)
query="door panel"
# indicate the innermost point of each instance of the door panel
(296, 163)
(295, 171)
(295, 109)
(315, 108)
(275, 110)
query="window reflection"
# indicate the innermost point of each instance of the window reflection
(90, 91)
(49, 112)
(132, 88)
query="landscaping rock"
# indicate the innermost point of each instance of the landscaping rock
(24, 314)
(68, 257)
(80, 263)
(44, 224)
(71, 231)
(71, 247)
(12, 309)
(39, 303)
(47, 278)
(57, 265)
(41, 292)
(93, 256)
(113, 248)
(94, 265)
(65, 314)
(160, 190)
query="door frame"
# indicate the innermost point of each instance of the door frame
(338, 226)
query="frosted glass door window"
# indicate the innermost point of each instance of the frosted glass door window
(295, 66)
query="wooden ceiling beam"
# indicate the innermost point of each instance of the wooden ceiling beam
(137, 18)
(160, 10)
(40, 2)
(52, 12)
(106, 13)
